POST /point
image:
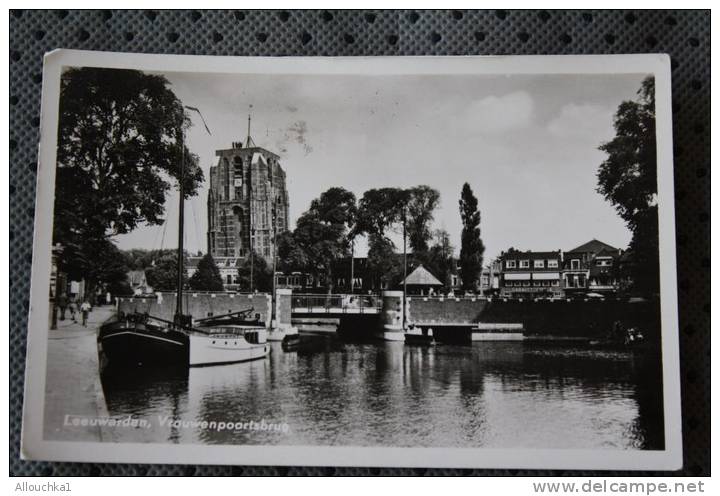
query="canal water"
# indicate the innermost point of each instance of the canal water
(330, 392)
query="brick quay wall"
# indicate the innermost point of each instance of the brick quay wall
(588, 319)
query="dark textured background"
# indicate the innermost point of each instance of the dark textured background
(684, 35)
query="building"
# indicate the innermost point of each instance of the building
(591, 268)
(228, 267)
(421, 282)
(490, 278)
(247, 202)
(530, 274)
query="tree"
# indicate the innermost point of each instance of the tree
(379, 211)
(628, 180)
(119, 153)
(421, 204)
(384, 265)
(291, 257)
(472, 248)
(261, 274)
(162, 275)
(207, 276)
(321, 236)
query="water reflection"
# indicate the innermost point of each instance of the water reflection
(367, 394)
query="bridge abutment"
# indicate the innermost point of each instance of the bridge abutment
(392, 316)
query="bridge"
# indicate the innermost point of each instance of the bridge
(335, 304)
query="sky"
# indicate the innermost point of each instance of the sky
(526, 144)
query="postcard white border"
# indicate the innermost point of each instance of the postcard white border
(36, 448)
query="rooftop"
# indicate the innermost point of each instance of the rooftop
(593, 246)
(421, 277)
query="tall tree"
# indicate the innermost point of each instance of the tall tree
(628, 179)
(472, 247)
(207, 276)
(119, 153)
(421, 204)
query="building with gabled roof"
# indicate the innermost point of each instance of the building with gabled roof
(591, 268)
(420, 281)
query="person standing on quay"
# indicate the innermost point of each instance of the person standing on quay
(85, 309)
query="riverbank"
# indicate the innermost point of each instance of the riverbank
(72, 386)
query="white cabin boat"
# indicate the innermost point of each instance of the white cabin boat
(228, 344)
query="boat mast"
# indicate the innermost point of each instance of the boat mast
(404, 304)
(178, 305)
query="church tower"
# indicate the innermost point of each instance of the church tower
(247, 201)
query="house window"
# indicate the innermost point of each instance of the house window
(229, 279)
(524, 264)
(552, 264)
(526, 283)
(539, 264)
(510, 264)
(575, 264)
(454, 280)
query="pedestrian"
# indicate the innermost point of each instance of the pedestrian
(85, 309)
(72, 306)
(62, 303)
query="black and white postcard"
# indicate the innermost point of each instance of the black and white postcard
(373, 261)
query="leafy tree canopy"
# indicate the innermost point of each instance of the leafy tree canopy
(119, 153)
(628, 179)
(422, 202)
(119, 150)
(379, 209)
(322, 233)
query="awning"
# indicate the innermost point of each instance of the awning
(517, 276)
(546, 276)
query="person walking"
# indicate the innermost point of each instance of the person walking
(62, 303)
(72, 306)
(85, 309)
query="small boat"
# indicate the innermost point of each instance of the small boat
(417, 335)
(621, 338)
(290, 342)
(227, 344)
